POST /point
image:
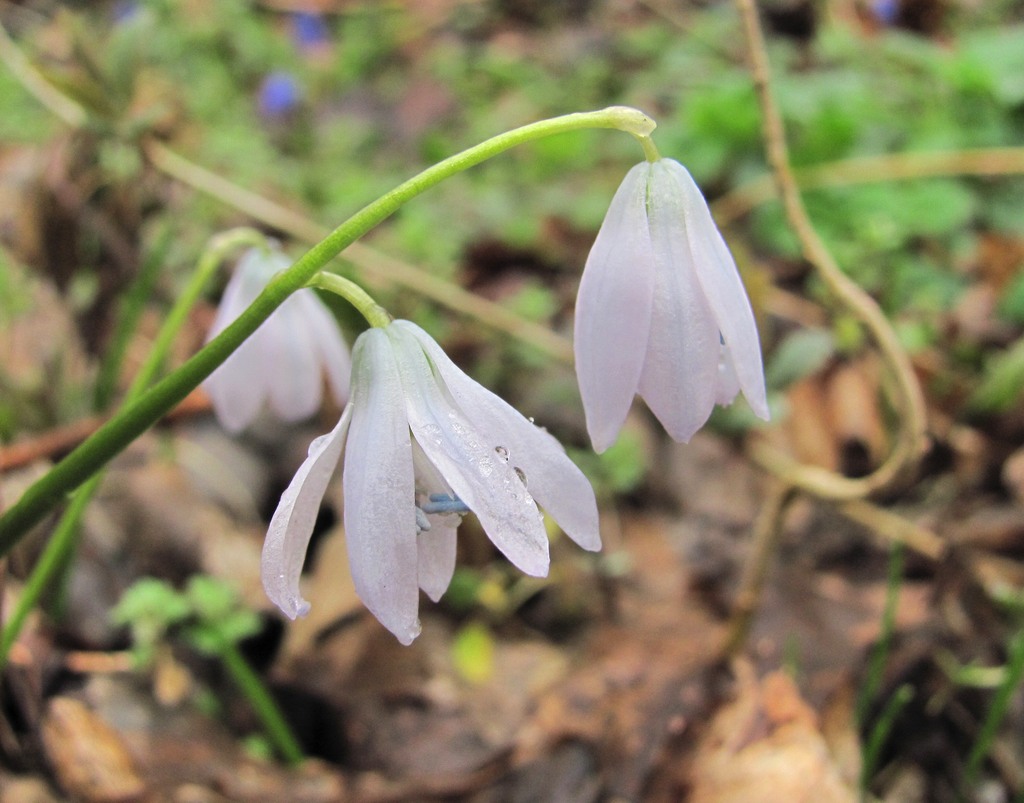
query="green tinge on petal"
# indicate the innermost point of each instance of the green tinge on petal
(380, 520)
(681, 365)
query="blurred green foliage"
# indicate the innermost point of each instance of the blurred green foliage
(391, 90)
(207, 614)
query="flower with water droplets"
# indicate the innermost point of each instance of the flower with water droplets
(283, 362)
(421, 445)
(662, 311)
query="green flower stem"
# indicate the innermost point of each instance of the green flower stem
(880, 734)
(880, 654)
(274, 723)
(217, 250)
(650, 151)
(132, 420)
(61, 545)
(997, 711)
(132, 306)
(355, 295)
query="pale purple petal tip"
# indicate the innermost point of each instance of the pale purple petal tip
(720, 280)
(613, 311)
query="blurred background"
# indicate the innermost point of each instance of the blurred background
(885, 652)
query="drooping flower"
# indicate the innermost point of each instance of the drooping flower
(662, 311)
(283, 362)
(422, 444)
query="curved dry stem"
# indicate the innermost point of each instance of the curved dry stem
(767, 529)
(911, 436)
(873, 170)
(895, 528)
(29, 77)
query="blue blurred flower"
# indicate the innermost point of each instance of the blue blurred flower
(309, 30)
(279, 94)
(886, 11)
(124, 11)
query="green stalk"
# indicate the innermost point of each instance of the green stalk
(274, 723)
(131, 309)
(62, 543)
(880, 734)
(880, 654)
(997, 711)
(136, 418)
(355, 295)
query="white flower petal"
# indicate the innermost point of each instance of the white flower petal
(613, 310)
(681, 365)
(237, 387)
(331, 347)
(469, 463)
(436, 559)
(380, 519)
(284, 550)
(551, 477)
(295, 382)
(435, 547)
(723, 288)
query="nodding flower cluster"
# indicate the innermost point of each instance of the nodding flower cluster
(662, 313)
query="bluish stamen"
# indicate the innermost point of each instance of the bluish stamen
(442, 503)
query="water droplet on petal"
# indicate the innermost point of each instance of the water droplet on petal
(316, 443)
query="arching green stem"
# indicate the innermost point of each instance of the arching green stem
(355, 295)
(136, 418)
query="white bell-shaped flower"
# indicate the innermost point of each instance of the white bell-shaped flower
(422, 444)
(662, 311)
(282, 364)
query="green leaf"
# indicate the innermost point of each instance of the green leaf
(623, 464)
(473, 652)
(1002, 382)
(150, 600)
(800, 354)
(1011, 303)
(221, 615)
(150, 607)
(998, 55)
